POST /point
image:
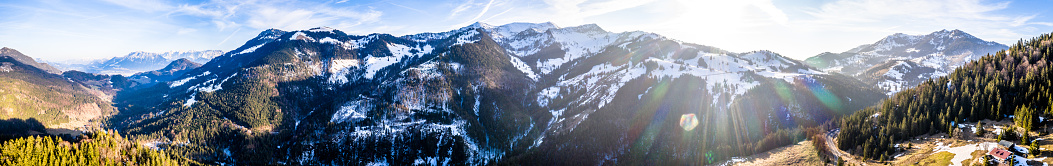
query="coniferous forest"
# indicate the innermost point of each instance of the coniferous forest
(1012, 84)
(96, 148)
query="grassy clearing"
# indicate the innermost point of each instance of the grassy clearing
(941, 158)
(802, 153)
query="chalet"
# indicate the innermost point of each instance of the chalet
(1012, 147)
(1000, 155)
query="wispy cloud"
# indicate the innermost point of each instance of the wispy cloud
(275, 14)
(485, 8)
(145, 5)
(576, 11)
(604, 7)
(852, 11)
(496, 15)
(976, 16)
(460, 8)
(483, 11)
(184, 31)
(229, 36)
(407, 7)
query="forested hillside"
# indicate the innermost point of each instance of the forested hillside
(1011, 83)
(30, 92)
(98, 148)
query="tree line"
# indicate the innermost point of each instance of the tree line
(95, 148)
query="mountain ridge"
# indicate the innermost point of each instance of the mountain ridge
(942, 51)
(141, 61)
(487, 92)
(30, 92)
(174, 69)
(18, 56)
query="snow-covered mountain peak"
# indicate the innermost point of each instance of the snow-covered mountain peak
(196, 56)
(322, 29)
(587, 28)
(478, 25)
(270, 34)
(951, 34)
(141, 61)
(511, 29)
(765, 55)
(938, 53)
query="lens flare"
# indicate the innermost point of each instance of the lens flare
(827, 98)
(688, 122)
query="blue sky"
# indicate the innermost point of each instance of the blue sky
(65, 30)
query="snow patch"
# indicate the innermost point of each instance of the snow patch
(191, 100)
(354, 111)
(339, 70)
(179, 82)
(964, 152)
(328, 40)
(547, 95)
(519, 64)
(251, 49)
(470, 36)
(301, 36)
(398, 52)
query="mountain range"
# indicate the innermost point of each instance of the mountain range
(901, 61)
(140, 61)
(520, 93)
(480, 94)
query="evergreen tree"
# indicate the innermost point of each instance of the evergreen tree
(1034, 149)
(979, 129)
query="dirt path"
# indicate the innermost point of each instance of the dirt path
(832, 145)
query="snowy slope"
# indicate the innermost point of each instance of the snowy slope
(942, 50)
(474, 95)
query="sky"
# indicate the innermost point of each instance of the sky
(74, 31)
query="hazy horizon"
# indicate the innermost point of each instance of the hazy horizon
(800, 29)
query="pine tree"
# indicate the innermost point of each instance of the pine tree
(1001, 136)
(1024, 118)
(1034, 149)
(979, 129)
(1024, 138)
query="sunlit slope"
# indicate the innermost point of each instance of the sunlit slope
(483, 94)
(94, 148)
(28, 92)
(643, 122)
(1012, 82)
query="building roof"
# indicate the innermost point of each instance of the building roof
(1006, 144)
(1000, 153)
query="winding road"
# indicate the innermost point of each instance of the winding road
(832, 146)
